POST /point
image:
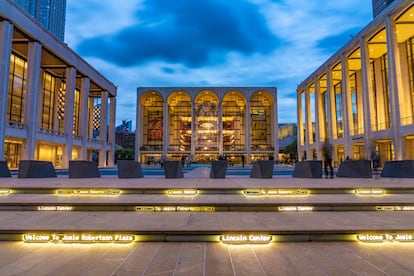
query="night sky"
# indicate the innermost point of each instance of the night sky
(138, 43)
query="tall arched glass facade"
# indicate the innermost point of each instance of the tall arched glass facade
(206, 123)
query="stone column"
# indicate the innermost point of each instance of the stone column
(395, 85)
(32, 99)
(111, 131)
(308, 123)
(68, 117)
(275, 133)
(138, 120)
(103, 129)
(84, 116)
(366, 95)
(317, 118)
(6, 35)
(346, 108)
(166, 126)
(301, 135)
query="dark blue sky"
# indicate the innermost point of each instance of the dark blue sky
(211, 42)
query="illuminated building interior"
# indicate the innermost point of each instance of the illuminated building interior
(362, 98)
(52, 110)
(206, 123)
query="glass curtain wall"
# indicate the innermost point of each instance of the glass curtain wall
(260, 122)
(17, 89)
(206, 123)
(153, 111)
(234, 107)
(179, 113)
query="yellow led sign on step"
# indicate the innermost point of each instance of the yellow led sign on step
(295, 208)
(55, 208)
(394, 208)
(175, 209)
(182, 192)
(399, 237)
(275, 192)
(89, 192)
(5, 192)
(78, 238)
(246, 238)
(369, 191)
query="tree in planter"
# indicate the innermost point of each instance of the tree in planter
(292, 150)
(127, 154)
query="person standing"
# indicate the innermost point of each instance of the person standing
(327, 149)
(242, 159)
(189, 160)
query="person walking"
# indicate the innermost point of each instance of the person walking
(327, 158)
(189, 160)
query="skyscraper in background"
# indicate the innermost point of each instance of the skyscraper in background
(379, 5)
(50, 13)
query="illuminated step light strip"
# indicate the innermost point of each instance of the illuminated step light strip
(369, 191)
(89, 192)
(182, 192)
(5, 192)
(394, 208)
(174, 209)
(78, 238)
(275, 192)
(55, 208)
(246, 239)
(295, 208)
(386, 237)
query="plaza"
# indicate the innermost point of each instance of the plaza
(316, 226)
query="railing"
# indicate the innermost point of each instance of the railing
(151, 148)
(235, 147)
(15, 124)
(262, 147)
(178, 147)
(51, 131)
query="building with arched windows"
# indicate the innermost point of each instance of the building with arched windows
(205, 122)
(362, 98)
(54, 106)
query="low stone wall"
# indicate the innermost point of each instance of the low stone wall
(218, 169)
(262, 169)
(4, 169)
(36, 169)
(129, 169)
(308, 169)
(398, 169)
(173, 169)
(83, 169)
(355, 169)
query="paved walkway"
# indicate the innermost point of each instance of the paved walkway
(187, 248)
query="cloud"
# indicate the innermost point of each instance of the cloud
(195, 33)
(211, 42)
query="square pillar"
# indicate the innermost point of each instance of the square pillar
(103, 129)
(6, 35)
(111, 131)
(84, 116)
(32, 103)
(68, 117)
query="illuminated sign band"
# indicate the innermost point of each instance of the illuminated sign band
(89, 192)
(369, 191)
(400, 237)
(78, 238)
(395, 208)
(175, 209)
(55, 208)
(5, 192)
(295, 208)
(246, 239)
(275, 192)
(182, 192)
